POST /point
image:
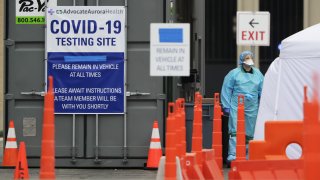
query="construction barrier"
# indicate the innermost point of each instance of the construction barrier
(273, 163)
(276, 140)
(311, 135)
(201, 163)
(266, 169)
(210, 168)
(161, 169)
(192, 168)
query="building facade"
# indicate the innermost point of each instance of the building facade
(214, 53)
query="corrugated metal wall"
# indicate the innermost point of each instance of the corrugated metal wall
(116, 143)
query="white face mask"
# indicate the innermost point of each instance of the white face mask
(249, 62)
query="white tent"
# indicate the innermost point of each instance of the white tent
(282, 94)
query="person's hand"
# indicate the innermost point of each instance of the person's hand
(249, 97)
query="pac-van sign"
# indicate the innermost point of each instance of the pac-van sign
(32, 11)
(253, 28)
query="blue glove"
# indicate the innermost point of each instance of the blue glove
(248, 97)
(226, 111)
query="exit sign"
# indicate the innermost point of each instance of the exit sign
(253, 28)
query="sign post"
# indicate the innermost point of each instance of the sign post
(253, 28)
(85, 50)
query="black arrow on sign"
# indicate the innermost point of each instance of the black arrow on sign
(252, 23)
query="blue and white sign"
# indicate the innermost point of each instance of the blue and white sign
(169, 49)
(85, 51)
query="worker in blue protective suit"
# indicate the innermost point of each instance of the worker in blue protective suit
(246, 80)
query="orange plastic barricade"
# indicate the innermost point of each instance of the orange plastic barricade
(170, 165)
(266, 169)
(311, 132)
(270, 161)
(47, 161)
(193, 170)
(276, 140)
(217, 130)
(184, 168)
(241, 131)
(210, 168)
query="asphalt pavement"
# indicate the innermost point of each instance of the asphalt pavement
(66, 174)
(84, 173)
(94, 174)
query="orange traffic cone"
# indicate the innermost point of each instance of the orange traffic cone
(22, 171)
(155, 151)
(10, 152)
(47, 161)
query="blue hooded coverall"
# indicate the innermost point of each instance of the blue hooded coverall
(235, 83)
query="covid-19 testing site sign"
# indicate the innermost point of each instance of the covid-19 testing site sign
(85, 53)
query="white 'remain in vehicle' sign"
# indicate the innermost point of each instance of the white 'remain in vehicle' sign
(170, 49)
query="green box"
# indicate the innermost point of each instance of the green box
(30, 20)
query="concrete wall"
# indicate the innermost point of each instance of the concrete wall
(1, 62)
(311, 13)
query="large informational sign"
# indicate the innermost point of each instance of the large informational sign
(170, 49)
(85, 51)
(253, 28)
(32, 11)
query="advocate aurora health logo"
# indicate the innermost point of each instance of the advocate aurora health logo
(51, 11)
